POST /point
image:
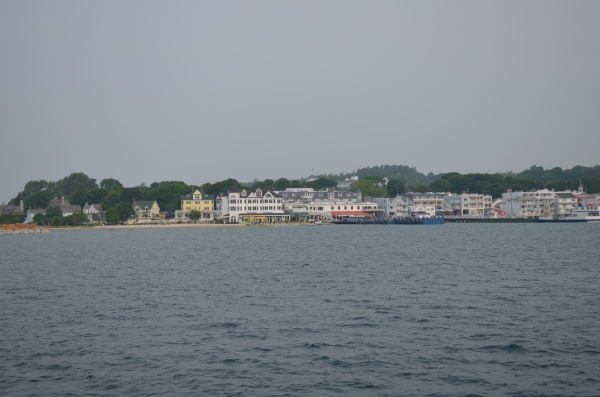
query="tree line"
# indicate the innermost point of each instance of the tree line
(403, 179)
(79, 188)
(116, 199)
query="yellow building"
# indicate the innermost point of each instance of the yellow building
(197, 202)
(203, 203)
(147, 210)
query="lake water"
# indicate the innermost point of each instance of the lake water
(378, 310)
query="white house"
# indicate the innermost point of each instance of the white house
(93, 209)
(252, 205)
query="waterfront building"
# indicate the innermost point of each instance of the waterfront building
(308, 195)
(33, 212)
(468, 204)
(93, 211)
(330, 210)
(565, 204)
(146, 211)
(391, 207)
(254, 205)
(65, 206)
(418, 204)
(530, 204)
(203, 203)
(7, 209)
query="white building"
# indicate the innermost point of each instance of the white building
(565, 204)
(419, 204)
(346, 183)
(93, 209)
(468, 204)
(529, 204)
(308, 195)
(251, 205)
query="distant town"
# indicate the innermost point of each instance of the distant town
(78, 200)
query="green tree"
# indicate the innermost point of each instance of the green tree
(441, 185)
(38, 199)
(420, 188)
(325, 183)
(394, 187)
(195, 215)
(73, 183)
(125, 210)
(40, 219)
(32, 187)
(53, 211)
(16, 200)
(110, 184)
(11, 219)
(111, 199)
(112, 216)
(57, 221)
(370, 186)
(77, 218)
(138, 192)
(168, 193)
(281, 184)
(221, 187)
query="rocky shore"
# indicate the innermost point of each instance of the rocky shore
(21, 228)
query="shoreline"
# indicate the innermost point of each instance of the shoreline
(176, 226)
(150, 226)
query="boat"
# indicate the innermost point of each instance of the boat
(588, 212)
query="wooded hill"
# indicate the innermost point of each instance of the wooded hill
(79, 188)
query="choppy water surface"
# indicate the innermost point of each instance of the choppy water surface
(390, 310)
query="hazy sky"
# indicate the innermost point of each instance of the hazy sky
(200, 91)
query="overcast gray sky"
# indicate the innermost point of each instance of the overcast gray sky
(200, 91)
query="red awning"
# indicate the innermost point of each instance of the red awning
(350, 213)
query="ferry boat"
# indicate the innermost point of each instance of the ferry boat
(588, 212)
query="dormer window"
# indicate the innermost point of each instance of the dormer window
(258, 192)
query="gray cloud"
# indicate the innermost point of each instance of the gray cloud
(145, 91)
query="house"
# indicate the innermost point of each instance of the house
(93, 211)
(252, 205)
(7, 209)
(205, 204)
(147, 211)
(65, 206)
(33, 212)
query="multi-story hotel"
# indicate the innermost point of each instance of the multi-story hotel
(251, 205)
(203, 203)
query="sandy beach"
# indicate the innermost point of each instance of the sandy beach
(178, 226)
(153, 226)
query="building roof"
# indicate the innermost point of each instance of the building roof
(70, 208)
(145, 203)
(252, 192)
(565, 195)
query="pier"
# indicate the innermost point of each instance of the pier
(396, 221)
